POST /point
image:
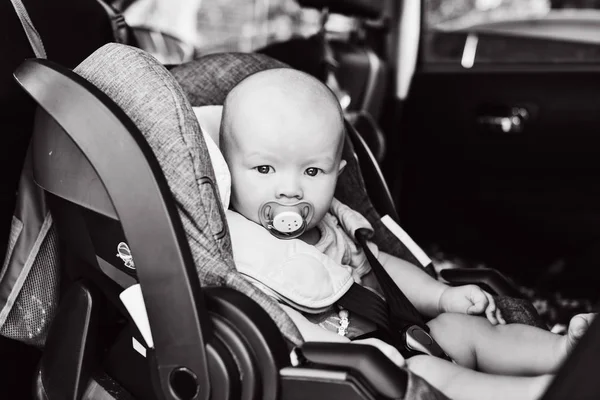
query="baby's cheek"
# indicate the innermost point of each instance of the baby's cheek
(246, 206)
(240, 187)
(319, 214)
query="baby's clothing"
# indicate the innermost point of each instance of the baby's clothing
(308, 278)
(291, 271)
(336, 229)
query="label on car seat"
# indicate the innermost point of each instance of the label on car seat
(406, 240)
(124, 254)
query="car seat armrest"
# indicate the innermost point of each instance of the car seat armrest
(368, 362)
(488, 278)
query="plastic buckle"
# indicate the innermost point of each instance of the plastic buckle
(418, 340)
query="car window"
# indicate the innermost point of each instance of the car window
(511, 31)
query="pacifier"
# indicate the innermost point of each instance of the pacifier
(286, 221)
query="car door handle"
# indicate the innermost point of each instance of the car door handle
(514, 122)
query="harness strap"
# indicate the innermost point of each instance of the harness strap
(398, 321)
(32, 34)
(368, 305)
(402, 312)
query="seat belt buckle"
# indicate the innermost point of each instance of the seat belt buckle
(418, 340)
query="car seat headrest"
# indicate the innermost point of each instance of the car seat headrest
(371, 9)
(209, 118)
(150, 97)
(208, 80)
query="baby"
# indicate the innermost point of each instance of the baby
(282, 135)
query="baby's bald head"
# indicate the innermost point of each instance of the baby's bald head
(287, 104)
(282, 134)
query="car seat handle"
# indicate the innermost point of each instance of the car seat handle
(166, 270)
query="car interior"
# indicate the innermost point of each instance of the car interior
(84, 148)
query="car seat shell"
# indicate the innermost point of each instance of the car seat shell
(292, 379)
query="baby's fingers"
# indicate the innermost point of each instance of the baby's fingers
(478, 300)
(491, 309)
(499, 317)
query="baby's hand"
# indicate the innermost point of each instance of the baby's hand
(390, 351)
(470, 299)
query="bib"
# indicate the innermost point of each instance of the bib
(291, 271)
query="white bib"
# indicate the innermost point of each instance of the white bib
(292, 271)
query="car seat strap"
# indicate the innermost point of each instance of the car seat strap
(401, 323)
(410, 244)
(367, 304)
(32, 34)
(402, 311)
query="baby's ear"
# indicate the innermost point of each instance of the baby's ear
(342, 166)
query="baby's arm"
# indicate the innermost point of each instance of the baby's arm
(431, 297)
(420, 288)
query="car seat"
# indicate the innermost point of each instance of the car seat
(119, 154)
(121, 160)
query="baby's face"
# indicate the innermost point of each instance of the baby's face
(285, 158)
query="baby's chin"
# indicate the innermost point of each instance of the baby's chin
(313, 224)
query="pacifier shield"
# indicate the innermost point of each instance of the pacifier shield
(286, 221)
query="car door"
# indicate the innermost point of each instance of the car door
(496, 159)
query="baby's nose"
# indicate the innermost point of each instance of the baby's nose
(289, 188)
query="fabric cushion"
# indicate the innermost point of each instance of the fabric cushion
(209, 118)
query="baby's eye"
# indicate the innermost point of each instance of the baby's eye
(263, 169)
(312, 171)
